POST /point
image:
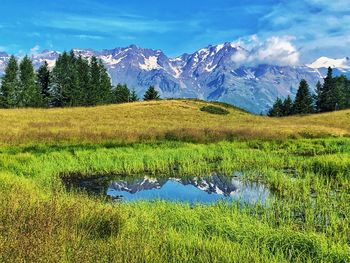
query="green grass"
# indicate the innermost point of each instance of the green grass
(304, 161)
(40, 221)
(180, 120)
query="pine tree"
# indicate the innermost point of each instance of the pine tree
(72, 92)
(318, 97)
(122, 94)
(287, 106)
(340, 91)
(133, 96)
(151, 94)
(29, 93)
(276, 110)
(64, 81)
(9, 85)
(43, 79)
(93, 92)
(105, 85)
(327, 101)
(347, 94)
(83, 80)
(303, 103)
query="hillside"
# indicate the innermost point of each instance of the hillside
(168, 119)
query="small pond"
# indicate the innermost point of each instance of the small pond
(204, 190)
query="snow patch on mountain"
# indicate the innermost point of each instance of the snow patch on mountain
(150, 63)
(249, 76)
(325, 62)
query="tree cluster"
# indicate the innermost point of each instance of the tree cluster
(73, 81)
(332, 95)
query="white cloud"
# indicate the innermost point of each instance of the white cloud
(321, 27)
(34, 50)
(274, 50)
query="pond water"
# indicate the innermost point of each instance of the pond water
(205, 190)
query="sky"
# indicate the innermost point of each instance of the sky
(297, 31)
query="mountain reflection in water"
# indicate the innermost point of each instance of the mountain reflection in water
(206, 190)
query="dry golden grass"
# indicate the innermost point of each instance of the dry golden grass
(168, 119)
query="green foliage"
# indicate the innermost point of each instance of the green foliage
(318, 97)
(303, 103)
(151, 94)
(333, 95)
(78, 82)
(215, 110)
(83, 80)
(133, 96)
(9, 85)
(122, 93)
(277, 109)
(29, 94)
(287, 106)
(43, 81)
(64, 81)
(328, 96)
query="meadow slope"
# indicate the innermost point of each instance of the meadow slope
(168, 119)
(303, 160)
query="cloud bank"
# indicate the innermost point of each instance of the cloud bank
(274, 50)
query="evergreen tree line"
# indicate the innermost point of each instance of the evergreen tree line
(73, 81)
(332, 95)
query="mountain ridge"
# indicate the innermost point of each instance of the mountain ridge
(210, 73)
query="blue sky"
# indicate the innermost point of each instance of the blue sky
(313, 28)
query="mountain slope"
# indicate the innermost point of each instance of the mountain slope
(210, 73)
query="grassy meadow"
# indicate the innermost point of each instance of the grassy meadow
(304, 161)
(158, 120)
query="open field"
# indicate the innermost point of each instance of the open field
(169, 119)
(305, 220)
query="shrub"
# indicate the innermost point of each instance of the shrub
(215, 110)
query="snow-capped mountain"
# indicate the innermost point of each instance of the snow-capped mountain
(216, 183)
(340, 66)
(3, 61)
(324, 62)
(211, 73)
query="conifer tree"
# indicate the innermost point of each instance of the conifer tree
(93, 92)
(303, 103)
(327, 102)
(340, 92)
(105, 85)
(73, 93)
(60, 81)
(9, 85)
(43, 80)
(347, 94)
(287, 106)
(83, 81)
(276, 110)
(151, 94)
(64, 81)
(318, 97)
(133, 96)
(29, 93)
(122, 94)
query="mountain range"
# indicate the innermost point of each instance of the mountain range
(210, 73)
(215, 184)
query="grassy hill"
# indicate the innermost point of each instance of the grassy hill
(168, 119)
(306, 217)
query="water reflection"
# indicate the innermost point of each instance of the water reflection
(206, 190)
